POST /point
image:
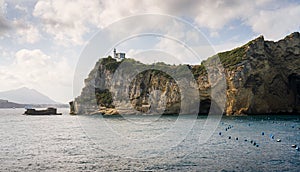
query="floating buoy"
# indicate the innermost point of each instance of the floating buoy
(278, 140)
(293, 126)
(245, 140)
(229, 137)
(257, 145)
(294, 146)
(236, 138)
(254, 143)
(251, 141)
(262, 133)
(220, 133)
(297, 148)
(271, 136)
(225, 129)
(248, 124)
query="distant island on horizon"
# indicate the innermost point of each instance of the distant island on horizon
(25, 97)
(262, 77)
(5, 104)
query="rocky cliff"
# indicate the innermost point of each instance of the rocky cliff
(262, 77)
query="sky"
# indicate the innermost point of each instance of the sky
(42, 42)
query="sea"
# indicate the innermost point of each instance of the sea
(148, 143)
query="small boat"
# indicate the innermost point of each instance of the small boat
(48, 111)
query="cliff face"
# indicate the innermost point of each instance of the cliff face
(262, 77)
(153, 91)
(267, 80)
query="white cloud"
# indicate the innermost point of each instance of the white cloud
(18, 28)
(21, 8)
(67, 20)
(27, 33)
(276, 24)
(35, 69)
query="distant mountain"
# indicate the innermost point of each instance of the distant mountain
(26, 96)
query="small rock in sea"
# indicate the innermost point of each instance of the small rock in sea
(225, 129)
(262, 133)
(278, 140)
(236, 138)
(229, 137)
(220, 133)
(293, 126)
(297, 148)
(294, 146)
(248, 124)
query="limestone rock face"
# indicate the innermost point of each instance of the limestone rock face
(267, 80)
(149, 92)
(262, 77)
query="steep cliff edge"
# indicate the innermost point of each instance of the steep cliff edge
(266, 80)
(262, 77)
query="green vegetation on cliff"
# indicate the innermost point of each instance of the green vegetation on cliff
(104, 97)
(231, 58)
(110, 63)
(199, 70)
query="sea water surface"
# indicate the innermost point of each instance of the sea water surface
(72, 143)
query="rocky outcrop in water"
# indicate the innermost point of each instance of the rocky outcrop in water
(262, 77)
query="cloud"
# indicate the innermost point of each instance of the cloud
(26, 32)
(21, 29)
(21, 8)
(35, 69)
(275, 24)
(4, 24)
(67, 20)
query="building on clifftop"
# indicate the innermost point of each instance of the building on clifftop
(119, 56)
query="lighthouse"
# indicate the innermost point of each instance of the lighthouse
(118, 56)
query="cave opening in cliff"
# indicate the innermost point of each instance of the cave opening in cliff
(294, 85)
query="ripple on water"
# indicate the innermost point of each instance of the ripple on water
(60, 144)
